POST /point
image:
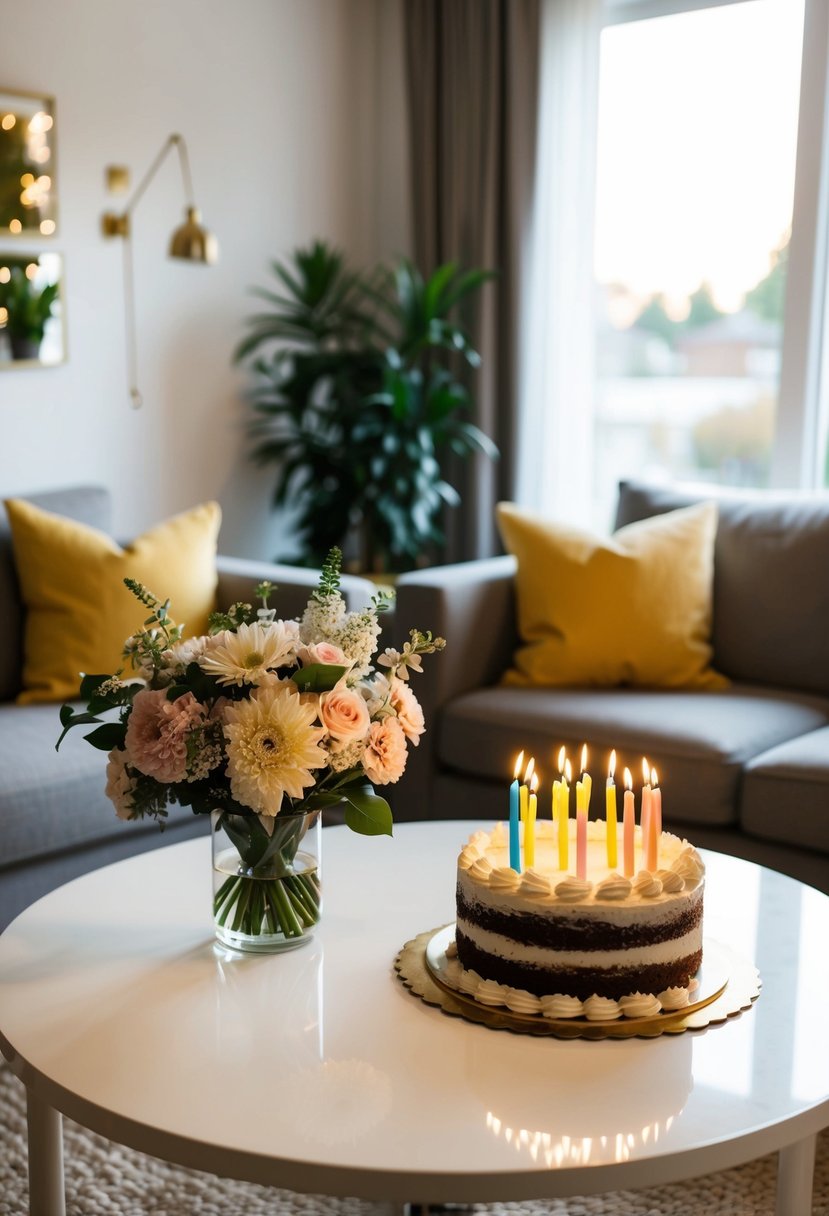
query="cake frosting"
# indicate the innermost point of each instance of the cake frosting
(603, 947)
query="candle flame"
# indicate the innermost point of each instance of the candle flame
(518, 764)
(562, 758)
(654, 778)
(568, 772)
(646, 772)
(534, 782)
(529, 771)
(584, 758)
(611, 770)
(628, 780)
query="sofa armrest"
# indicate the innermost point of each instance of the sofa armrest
(238, 576)
(472, 605)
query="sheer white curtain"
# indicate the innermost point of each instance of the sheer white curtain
(556, 381)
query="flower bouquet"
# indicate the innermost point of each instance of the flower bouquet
(262, 723)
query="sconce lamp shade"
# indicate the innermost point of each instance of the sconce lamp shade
(192, 242)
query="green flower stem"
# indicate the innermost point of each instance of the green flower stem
(305, 904)
(225, 899)
(290, 922)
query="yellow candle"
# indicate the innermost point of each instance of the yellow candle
(564, 819)
(612, 857)
(529, 826)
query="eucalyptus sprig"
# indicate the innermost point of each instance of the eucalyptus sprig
(145, 648)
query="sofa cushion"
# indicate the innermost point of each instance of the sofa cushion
(771, 579)
(78, 611)
(698, 742)
(633, 609)
(51, 801)
(785, 793)
(89, 505)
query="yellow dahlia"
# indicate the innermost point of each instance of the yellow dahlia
(271, 747)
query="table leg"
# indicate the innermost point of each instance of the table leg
(795, 1177)
(46, 1193)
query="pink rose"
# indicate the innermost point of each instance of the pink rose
(344, 714)
(157, 733)
(322, 652)
(409, 713)
(385, 756)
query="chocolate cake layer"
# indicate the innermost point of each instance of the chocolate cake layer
(615, 982)
(576, 934)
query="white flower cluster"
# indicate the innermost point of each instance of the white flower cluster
(356, 633)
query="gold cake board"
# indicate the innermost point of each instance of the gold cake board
(728, 984)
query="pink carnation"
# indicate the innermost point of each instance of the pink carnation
(385, 756)
(157, 733)
(409, 713)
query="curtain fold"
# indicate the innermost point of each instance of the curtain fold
(472, 73)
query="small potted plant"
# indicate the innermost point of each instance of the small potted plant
(28, 306)
(360, 394)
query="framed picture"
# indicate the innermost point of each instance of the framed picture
(32, 329)
(28, 181)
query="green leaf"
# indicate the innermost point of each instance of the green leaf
(318, 677)
(108, 736)
(72, 719)
(367, 813)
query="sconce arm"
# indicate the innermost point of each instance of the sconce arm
(113, 224)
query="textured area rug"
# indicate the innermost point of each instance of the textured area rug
(103, 1179)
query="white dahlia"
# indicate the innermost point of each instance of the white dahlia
(245, 656)
(271, 747)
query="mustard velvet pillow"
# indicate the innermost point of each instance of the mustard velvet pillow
(630, 609)
(78, 611)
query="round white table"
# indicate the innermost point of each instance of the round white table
(316, 1070)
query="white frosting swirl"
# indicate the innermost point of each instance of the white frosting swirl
(674, 998)
(481, 869)
(535, 885)
(689, 866)
(452, 949)
(561, 1006)
(503, 878)
(469, 855)
(452, 972)
(601, 1009)
(647, 885)
(490, 992)
(613, 887)
(499, 835)
(640, 1005)
(672, 882)
(480, 840)
(521, 1001)
(469, 981)
(572, 888)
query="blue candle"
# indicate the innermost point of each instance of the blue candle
(514, 845)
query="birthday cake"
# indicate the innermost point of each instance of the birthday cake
(602, 946)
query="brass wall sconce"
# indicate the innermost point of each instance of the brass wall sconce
(190, 242)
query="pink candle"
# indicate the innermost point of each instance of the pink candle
(581, 842)
(655, 823)
(645, 816)
(628, 820)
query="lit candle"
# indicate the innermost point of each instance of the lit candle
(529, 824)
(586, 780)
(581, 832)
(628, 822)
(611, 813)
(655, 827)
(514, 849)
(564, 816)
(524, 795)
(645, 813)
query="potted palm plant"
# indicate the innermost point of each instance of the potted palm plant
(28, 307)
(358, 396)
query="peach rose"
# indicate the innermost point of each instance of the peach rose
(385, 756)
(409, 713)
(120, 785)
(344, 714)
(322, 652)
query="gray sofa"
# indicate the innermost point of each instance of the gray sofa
(55, 820)
(745, 770)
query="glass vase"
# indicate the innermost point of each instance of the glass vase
(266, 883)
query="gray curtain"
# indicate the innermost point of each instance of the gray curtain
(472, 85)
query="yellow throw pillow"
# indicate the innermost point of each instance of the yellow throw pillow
(630, 609)
(78, 611)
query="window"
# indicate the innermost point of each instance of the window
(696, 154)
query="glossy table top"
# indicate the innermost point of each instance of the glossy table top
(317, 1070)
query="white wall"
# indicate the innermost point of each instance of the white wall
(293, 115)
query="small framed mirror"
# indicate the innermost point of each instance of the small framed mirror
(28, 184)
(32, 331)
